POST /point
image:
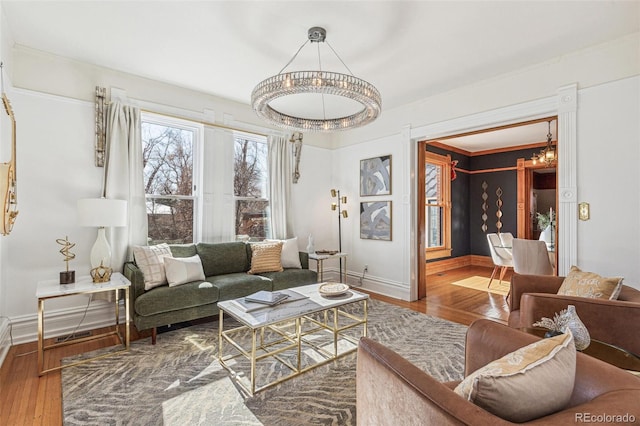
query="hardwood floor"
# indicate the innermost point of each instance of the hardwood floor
(26, 399)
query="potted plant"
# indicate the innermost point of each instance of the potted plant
(547, 224)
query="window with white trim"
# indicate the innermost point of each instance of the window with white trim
(250, 187)
(171, 156)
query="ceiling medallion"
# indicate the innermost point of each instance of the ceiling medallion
(320, 82)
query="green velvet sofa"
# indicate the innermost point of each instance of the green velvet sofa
(225, 267)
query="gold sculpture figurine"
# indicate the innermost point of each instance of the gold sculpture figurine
(101, 274)
(67, 277)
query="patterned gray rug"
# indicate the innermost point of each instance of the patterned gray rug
(180, 382)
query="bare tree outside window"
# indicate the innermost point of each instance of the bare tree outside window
(250, 188)
(168, 158)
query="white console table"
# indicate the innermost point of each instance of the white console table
(320, 258)
(51, 289)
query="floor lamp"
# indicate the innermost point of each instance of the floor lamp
(335, 193)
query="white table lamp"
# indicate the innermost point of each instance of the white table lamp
(101, 213)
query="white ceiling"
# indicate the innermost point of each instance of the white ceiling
(408, 49)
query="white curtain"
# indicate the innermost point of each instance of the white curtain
(280, 187)
(124, 180)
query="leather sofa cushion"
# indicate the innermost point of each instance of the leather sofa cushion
(165, 299)
(223, 258)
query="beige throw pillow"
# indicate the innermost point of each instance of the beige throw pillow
(588, 284)
(526, 384)
(265, 257)
(290, 258)
(182, 270)
(150, 261)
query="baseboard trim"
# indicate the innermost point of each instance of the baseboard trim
(485, 261)
(5, 339)
(64, 321)
(395, 289)
(458, 262)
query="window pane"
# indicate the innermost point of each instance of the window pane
(170, 221)
(434, 227)
(250, 166)
(167, 154)
(252, 219)
(432, 180)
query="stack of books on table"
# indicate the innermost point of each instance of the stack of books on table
(264, 299)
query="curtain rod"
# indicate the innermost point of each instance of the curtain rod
(204, 123)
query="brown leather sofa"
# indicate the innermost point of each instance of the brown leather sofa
(611, 321)
(392, 391)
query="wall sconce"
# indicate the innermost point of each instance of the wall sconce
(101, 125)
(296, 141)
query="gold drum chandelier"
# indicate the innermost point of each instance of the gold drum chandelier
(548, 155)
(316, 82)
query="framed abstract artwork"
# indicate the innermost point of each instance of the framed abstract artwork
(375, 176)
(375, 220)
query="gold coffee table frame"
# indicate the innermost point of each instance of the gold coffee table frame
(294, 333)
(52, 289)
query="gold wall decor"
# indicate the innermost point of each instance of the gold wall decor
(8, 173)
(499, 211)
(296, 141)
(485, 206)
(67, 277)
(101, 125)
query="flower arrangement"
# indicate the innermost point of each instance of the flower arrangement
(546, 219)
(557, 325)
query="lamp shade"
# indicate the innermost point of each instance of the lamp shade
(102, 212)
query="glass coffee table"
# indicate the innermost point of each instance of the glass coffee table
(269, 345)
(603, 351)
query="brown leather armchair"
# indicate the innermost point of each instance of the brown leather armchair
(611, 321)
(392, 391)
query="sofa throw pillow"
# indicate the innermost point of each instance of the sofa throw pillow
(526, 384)
(290, 258)
(182, 270)
(588, 284)
(150, 261)
(265, 257)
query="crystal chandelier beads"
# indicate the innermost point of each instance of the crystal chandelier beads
(317, 82)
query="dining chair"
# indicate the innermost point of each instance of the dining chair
(531, 257)
(501, 256)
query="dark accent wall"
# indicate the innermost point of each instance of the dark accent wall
(466, 197)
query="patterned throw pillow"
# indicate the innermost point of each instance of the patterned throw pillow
(526, 384)
(150, 260)
(182, 270)
(588, 284)
(289, 257)
(266, 258)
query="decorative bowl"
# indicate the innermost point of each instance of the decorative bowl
(333, 289)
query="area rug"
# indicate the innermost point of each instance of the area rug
(180, 382)
(482, 283)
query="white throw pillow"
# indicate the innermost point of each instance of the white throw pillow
(182, 270)
(150, 261)
(290, 258)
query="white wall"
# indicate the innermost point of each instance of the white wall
(608, 157)
(56, 168)
(55, 164)
(611, 92)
